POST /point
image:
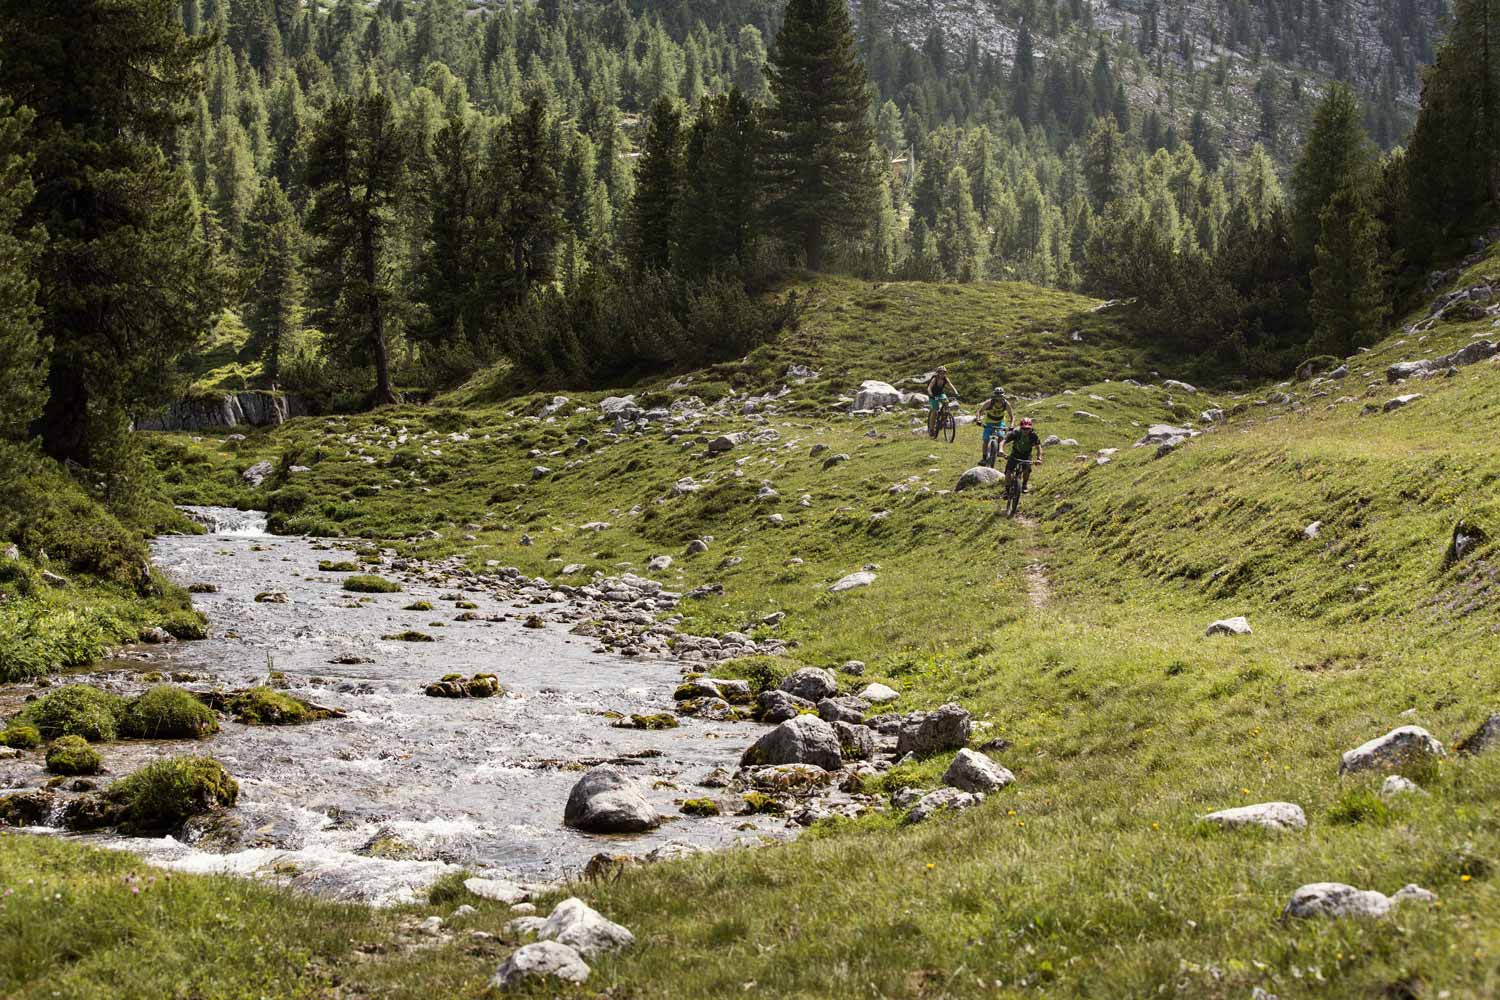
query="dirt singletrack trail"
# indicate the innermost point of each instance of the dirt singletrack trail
(1038, 583)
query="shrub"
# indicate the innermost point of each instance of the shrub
(261, 706)
(189, 626)
(168, 713)
(76, 710)
(369, 584)
(342, 566)
(72, 755)
(160, 796)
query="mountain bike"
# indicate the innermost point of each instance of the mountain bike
(1015, 484)
(945, 422)
(992, 447)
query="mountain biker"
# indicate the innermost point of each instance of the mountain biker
(1022, 441)
(938, 391)
(993, 414)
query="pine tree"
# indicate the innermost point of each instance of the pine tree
(719, 198)
(356, 170)
(819, 166)
(658, 189)
(273, 259)
(125, 283)
(1349, 302)
(523, 230)
(22, 355)
(1104, 163)
(750, 64)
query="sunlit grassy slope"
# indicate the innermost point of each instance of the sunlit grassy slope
(1076, 634)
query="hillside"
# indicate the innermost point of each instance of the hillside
(1074, 635)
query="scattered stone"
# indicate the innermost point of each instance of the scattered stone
(697, 547)
(1229, 626)
(848, 709)
(1173, 385)
(1396, 785)
(497, 889)
(855, 667)
(1400, 401)
(925, 733)
(833, 460)
(974, 772)
(853, 580)
(876, 395)
(579, 926)
(1335, 899)
(1278, 816)
(540, 960)
(1312, 530)
(1397, 747)
(606, 801)
(942, 800)
(805, 739)
(779, 706)
(431, 927)
(1483, 738)
(811, 684)
(977, 478)
(856, 742)
(257, 473)
(879, 694)
(659, 564)
(271, 597)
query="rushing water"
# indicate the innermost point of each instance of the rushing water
(473, 783)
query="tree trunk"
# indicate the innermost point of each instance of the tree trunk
(812, 244)
(64, 422)
(384, 395)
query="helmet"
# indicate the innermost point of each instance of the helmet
(941, 370)
(1026, 422)
(997, 392)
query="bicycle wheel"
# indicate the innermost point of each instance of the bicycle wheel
(1012, 495)
(950, 427)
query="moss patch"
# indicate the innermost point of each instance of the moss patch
(72, 755)
(76, 710)
(371, 584)
(700, 807)
(168, 713)
(264, 706)
(18, 736)
(161, 796)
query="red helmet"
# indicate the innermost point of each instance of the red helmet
(1026, 422)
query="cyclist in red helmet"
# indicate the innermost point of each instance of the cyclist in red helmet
(1020, 445)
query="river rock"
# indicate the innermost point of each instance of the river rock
(582, 928)
(942, 800)
(1397, 747)
(257, 473)
(856, 742)
(1278, 816)
(879, 694)
(1335, 899)
(972, 771)
(806, 739)
(924, 733)
(779, 706)
(861, 579)
(812, 684)
(846, 709)
(498, 889)
(1229, 626)
(977, 478)
(540, 960)
(606, 801)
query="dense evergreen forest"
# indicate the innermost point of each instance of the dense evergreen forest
(394, 196)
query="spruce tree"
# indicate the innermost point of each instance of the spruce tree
(22, 354)
(124, 281)
(273, 258)
(658, 189)
(1349, 302)
(523, 230)
(446, 271)
(356, 171)
(818, 159)
(717, 212)
(1336, 155)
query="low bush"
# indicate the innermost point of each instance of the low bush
(370, 584)
(161, 796)
(76, 710)
(168, 713)
(72, 755)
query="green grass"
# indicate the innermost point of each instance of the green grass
(1075, 634)
(368, 584)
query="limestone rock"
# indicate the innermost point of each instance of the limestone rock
(852, 581)
(541, 960)
(1335, 899)
(257, 473)
(977, 478)
(1483, 738)
(779, 706)
(972, 771)
(1397, 747)
(1395, 785)
(879, 694)
(942, 800)
(1278, 816)
(856, 742)
(579, 926)
(875, 395)
(924, 733)
(806, 739)
(498, 889)
(606, 801)
(812, 684)
(1229, 626)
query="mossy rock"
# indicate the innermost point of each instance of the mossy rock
(408, 635)
(370, 584)
(465, 605)
(21, 737)
(700, 807)
(418, 606)
(160, 797)
(33, 808)
(761, 803)
(76, 710)
(344, 566)
(264, 706)
(168, 713)
(186, 625)
(659, 720)
(459, 686)
(71, 755)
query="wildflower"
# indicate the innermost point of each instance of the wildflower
(1464, 878)
(930, 866)
(1244, 791)
(1156, 826)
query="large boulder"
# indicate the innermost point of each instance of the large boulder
(618, 408)
(582, 928)
(806, 739)
(924, 733)
(856, 742)
(977, 478)
(541, 960)
(972, 771)
(258, 473)
(861, 579)
(1482, 738)
(942, 800)
(606, 801)
(1278, 816)
(846, 709)
(812, 684)
(1239, 625)
(779, 706)
(875, 395)
(1406, 744)
(1335, 899)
